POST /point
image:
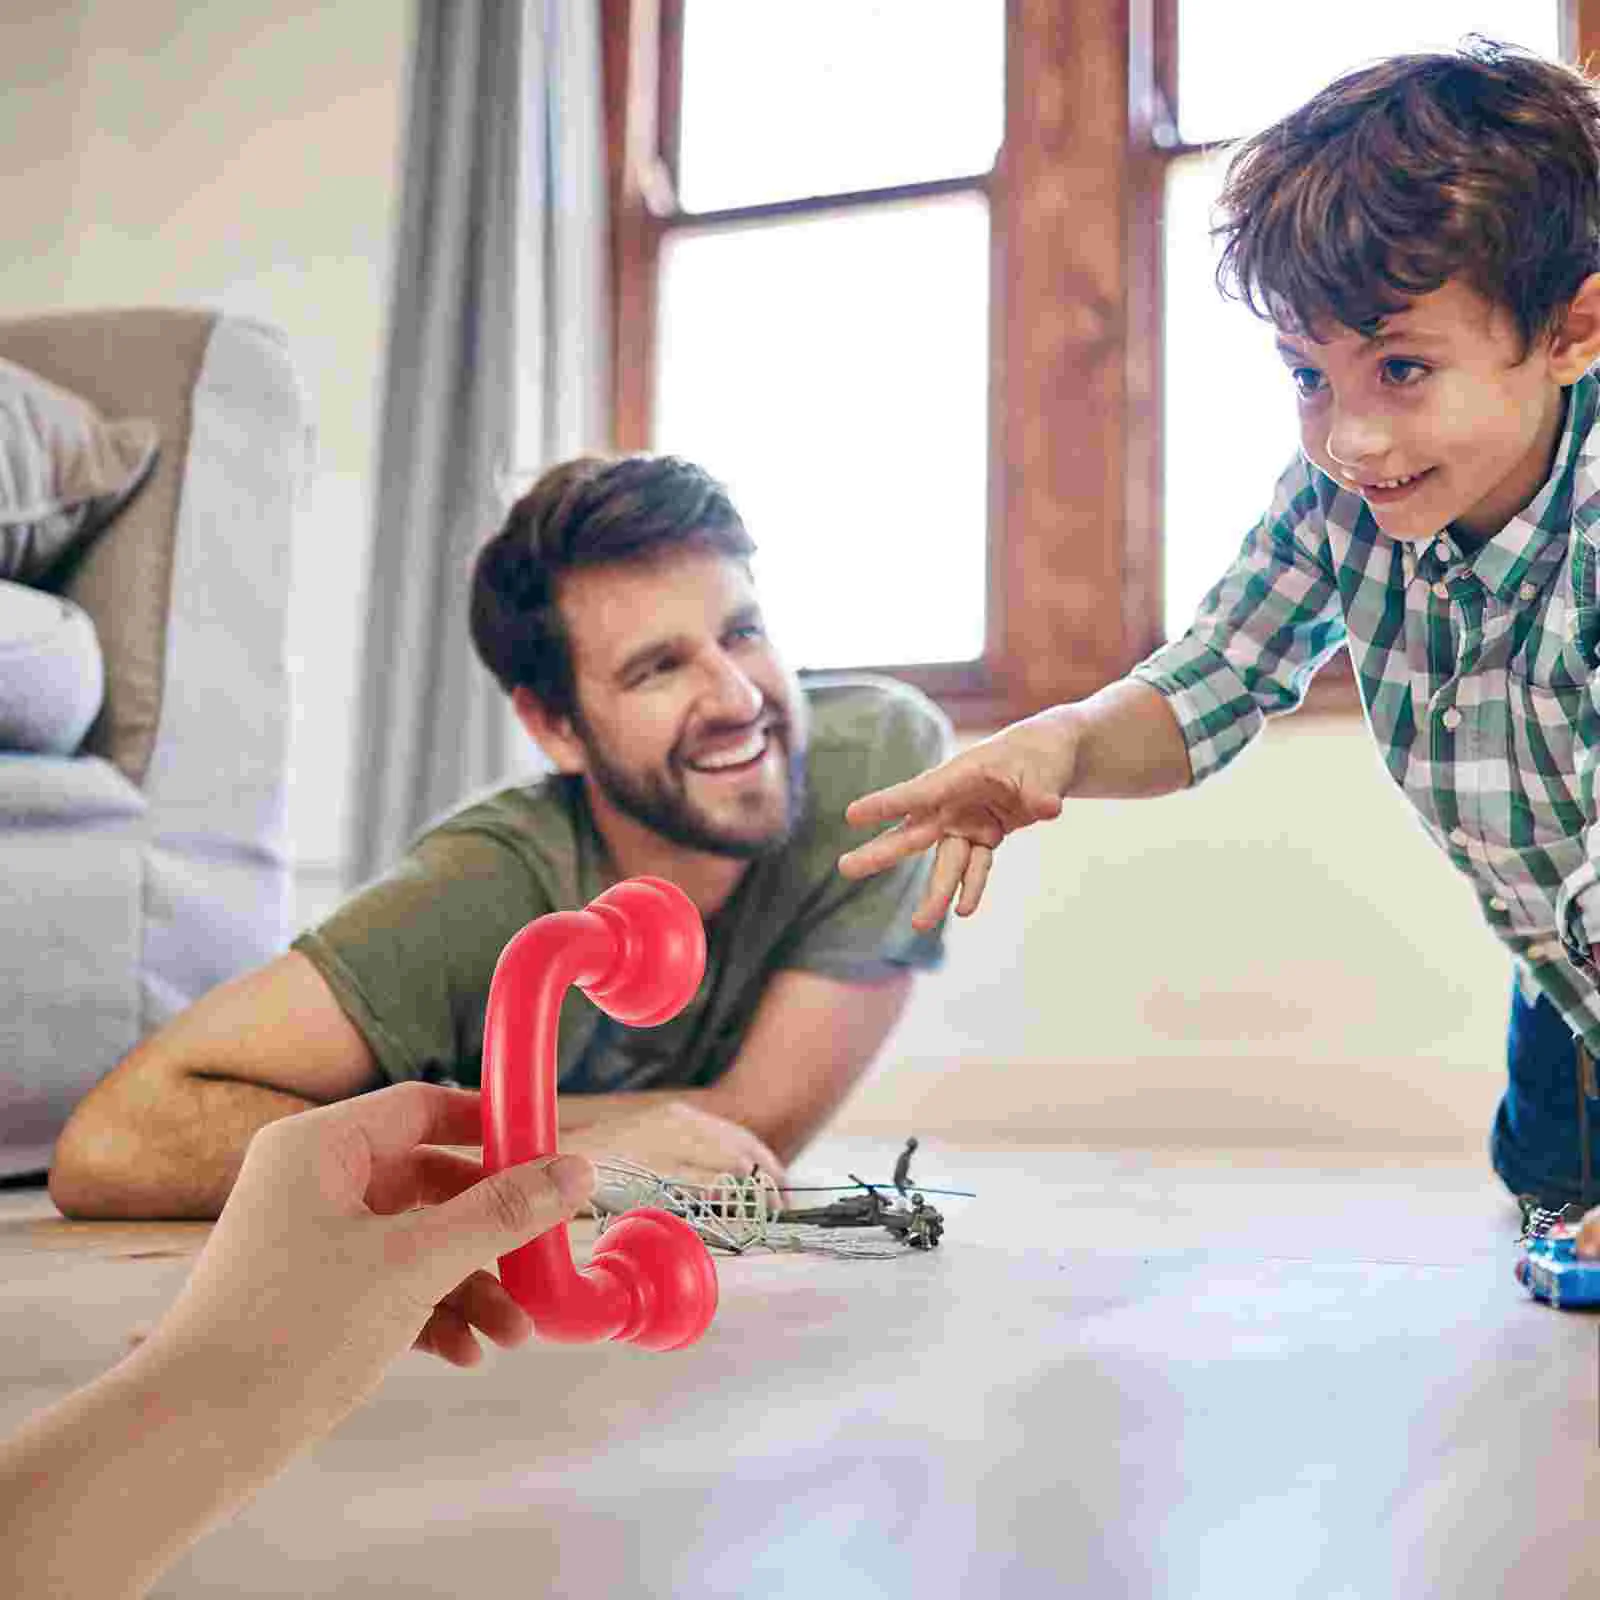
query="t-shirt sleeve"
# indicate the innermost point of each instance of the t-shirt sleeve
(409, 957)
(860, 931)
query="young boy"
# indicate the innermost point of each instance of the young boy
(1425, 236)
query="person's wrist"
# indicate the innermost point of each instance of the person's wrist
(269, 1372)
(1060, 728)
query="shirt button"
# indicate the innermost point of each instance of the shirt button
(1527, 591)
(1497, 904)
(1458, 837)
(1442, 589)
(1451, 718)
(1443, 548)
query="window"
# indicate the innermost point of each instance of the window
(812, 276)
(914, 276)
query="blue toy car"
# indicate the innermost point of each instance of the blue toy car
(1550, 1269)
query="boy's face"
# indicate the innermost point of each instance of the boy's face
(1438, 421)
(689, 723)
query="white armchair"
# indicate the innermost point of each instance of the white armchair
(153, 864)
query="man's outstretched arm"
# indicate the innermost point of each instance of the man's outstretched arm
(164, 1133)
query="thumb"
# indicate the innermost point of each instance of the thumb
(500, 1212)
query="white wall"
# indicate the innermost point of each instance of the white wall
(1276, 957)
(244, 155)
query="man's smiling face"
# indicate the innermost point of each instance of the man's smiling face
(687, 722)
(1439, 420)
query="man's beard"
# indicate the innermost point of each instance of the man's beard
(660, 800)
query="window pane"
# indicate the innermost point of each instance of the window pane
(786, 101)
(1230, 426)
(1245, 63)
(833, 371)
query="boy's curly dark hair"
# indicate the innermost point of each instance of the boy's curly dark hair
(585, 513)
(1483, 163)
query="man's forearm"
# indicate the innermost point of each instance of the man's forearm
(162, 1147)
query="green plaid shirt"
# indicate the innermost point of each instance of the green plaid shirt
(1475, 674)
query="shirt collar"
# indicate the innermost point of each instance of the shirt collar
(1532, 544)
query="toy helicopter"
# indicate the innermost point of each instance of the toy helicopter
(736, 1213)
(912, 1220)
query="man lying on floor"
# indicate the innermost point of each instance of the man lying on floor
(617, 609)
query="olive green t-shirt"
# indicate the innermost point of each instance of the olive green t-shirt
(409, 957)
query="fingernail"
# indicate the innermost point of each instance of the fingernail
(573, 1177)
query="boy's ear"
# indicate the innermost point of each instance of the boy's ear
(554, 735)
(1575, 346)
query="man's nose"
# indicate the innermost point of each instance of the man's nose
(1356, 436)
(730, 694)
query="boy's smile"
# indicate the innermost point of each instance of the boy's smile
(1441, 419)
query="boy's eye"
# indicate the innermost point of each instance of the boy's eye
(1307, 380)
(745, 631)
(1401, 374)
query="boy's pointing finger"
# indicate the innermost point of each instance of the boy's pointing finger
(888, 848)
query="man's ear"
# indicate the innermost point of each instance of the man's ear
(554, 735)
(1575, 346)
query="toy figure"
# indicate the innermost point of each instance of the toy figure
(902, 1166)
(920, 1227)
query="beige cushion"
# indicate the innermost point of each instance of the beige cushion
(141, 362)
(65, 472)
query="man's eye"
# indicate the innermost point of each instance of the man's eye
(1307, 380)
(1402, 374)
(748, 630)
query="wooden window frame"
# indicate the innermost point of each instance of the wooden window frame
(1074, 546)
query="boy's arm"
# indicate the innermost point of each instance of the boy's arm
(1123, 742)
(1128, 744)
(1260, 635)
(163, 1134)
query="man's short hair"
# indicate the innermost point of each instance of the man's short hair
(588, 512)
(1483, 162)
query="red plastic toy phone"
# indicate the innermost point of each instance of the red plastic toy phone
(638, 951)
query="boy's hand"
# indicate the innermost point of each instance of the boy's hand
(966, 807)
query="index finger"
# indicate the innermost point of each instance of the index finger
(398, 1118)
(889, 805)
(893, 845)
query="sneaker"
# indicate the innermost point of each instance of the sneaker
(1538, 1217)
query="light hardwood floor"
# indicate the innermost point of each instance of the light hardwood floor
(1124, 1373)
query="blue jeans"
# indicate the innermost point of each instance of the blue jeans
(1537, 1141)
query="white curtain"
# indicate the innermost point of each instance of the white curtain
(496, 367)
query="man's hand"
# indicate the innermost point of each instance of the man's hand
(675, 1140)
(966, 807)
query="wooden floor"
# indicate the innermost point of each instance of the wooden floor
(1123, 1374)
